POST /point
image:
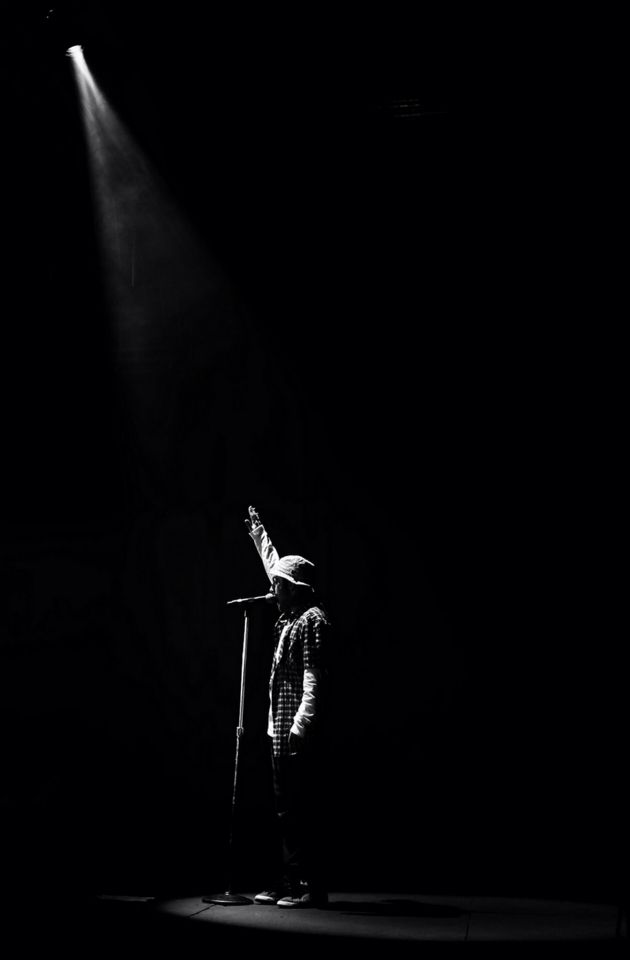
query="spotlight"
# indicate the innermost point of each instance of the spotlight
(75, 52)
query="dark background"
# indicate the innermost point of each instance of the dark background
(391, 369)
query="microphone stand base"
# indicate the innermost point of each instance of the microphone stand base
(228, 899)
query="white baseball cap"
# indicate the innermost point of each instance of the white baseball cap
(295, 569)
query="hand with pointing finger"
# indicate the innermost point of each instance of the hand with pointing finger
(253, 520)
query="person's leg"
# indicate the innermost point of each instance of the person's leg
(278, 880)
(299, 798)
(287, 789)
(312, 822)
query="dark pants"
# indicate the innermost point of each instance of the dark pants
(299, 795)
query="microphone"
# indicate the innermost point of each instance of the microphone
(267, 597)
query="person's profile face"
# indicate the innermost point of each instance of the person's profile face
(283, 592)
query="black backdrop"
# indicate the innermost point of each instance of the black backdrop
(385, 375)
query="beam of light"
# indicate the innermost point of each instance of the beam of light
(158, 276)
(174, 317)
(78, 58)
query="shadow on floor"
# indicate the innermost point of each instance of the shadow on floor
(394, 908)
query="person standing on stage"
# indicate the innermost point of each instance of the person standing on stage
(296, 724)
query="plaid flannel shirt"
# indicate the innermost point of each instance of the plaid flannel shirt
(300, 644)
(299, 647)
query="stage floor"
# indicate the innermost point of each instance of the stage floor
(372, 924)
(382, 918)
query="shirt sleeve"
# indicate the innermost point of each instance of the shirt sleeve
(266, 550)
(307, 711)
(313, 637)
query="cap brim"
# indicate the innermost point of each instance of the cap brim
(296, 583)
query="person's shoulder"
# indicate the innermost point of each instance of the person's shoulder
(316, 614)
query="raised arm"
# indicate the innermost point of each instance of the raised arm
(266, 550)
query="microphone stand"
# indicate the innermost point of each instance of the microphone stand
(230, 899)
